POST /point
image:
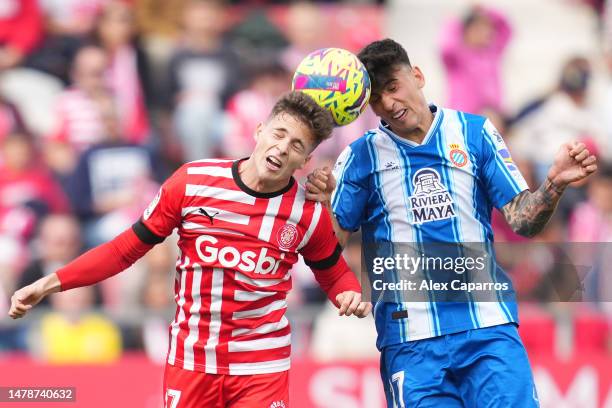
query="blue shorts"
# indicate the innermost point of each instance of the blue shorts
(479, 368)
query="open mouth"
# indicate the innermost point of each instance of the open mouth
(274, 163)
(400, 114)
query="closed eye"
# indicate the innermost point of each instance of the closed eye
(298, 146)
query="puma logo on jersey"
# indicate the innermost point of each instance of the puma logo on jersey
(210, 216)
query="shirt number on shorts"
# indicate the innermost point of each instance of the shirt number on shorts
(397, 389)
(174, 396)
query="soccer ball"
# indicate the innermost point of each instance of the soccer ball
(336, 80)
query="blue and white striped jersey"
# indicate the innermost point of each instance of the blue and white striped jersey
(441, 191)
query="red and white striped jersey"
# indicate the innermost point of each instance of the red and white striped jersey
(237, 248)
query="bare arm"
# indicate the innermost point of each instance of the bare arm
(529, 212)
(29, 296)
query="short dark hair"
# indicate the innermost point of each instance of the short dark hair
(302, 107)
(381, 59)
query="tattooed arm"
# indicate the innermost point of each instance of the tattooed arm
(529, 212)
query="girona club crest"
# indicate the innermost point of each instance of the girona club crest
(286, 236)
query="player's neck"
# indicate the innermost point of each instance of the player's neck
(247, 171)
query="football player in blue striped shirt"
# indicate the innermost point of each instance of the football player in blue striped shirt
(431, 175)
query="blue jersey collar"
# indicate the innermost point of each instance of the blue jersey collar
(438, 115)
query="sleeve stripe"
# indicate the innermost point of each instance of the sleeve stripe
(327, 262)
(340, 178)
(313, 225)
(145, 235)
(512, 181)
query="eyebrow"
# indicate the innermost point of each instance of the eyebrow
(389, 81)
(281, 129)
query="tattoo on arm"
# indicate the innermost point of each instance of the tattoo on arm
(529, 212)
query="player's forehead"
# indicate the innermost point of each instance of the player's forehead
(291, 126)
(388, 76)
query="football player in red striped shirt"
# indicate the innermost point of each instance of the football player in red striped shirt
(241, 225)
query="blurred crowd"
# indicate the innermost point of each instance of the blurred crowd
(101, 100)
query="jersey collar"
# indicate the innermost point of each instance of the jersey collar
(438, 115)
(250, 191)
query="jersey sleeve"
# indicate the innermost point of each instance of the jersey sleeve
(499, 174)
(323, 254)
(163, 214)
(321, 248)
(351, 193)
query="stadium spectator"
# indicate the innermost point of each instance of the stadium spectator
(158, 305)
(251, 106)
(68, 23)
(21, 30)
(472, 51)
(303, 30)
(564, 115)
(591, 220)
(58, 242)
(27, 190)
(128, 71)
(202, 74)
(78, 120)
(111, 180)
(10, 120)
(73, 333)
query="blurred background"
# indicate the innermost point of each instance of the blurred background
(100, 100)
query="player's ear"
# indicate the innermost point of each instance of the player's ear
(418, 76)
(258, 131)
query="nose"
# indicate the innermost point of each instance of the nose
(283, 145)
(386, 102)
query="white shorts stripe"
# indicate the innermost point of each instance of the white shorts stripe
(214, 171)
(215, 321)
(262, 311)
(260, 344)
(181, 315)
(195, 190)
(267, 223)
(264, 367)
(263, 329)
(194, 318)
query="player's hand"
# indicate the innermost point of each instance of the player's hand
(26, 298)
(351, 304)
(573, 162)
(320, 185)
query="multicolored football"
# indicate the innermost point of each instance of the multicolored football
(336, 80)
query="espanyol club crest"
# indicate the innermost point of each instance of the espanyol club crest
(287, 236)
(430, 200)
(457, 156)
